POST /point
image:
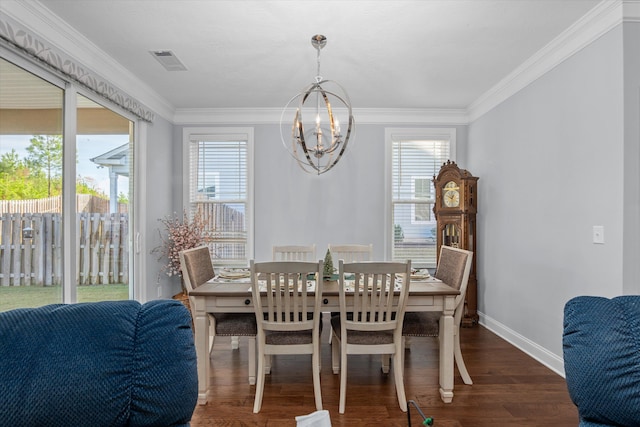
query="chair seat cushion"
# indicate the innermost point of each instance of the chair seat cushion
(288, 337)
(291, 337)
(423, 324)
(236, 324)
(362, 337)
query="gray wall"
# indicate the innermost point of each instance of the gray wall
(160, 178)
(345, 205)
(551, 162)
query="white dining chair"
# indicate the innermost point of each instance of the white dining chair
(294, 253)
(454, 266)
(197, 269)
(371, 321)
(291, 253)
(282, 302)
(351, 253)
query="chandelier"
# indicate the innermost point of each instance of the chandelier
(315, 137)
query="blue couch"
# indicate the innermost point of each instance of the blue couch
(601, 346)
(98, 364)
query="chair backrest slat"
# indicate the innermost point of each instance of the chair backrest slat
(279, 288)
(294, 253)
(380, 292)
(351, 253)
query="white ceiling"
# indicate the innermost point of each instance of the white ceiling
(257, 53)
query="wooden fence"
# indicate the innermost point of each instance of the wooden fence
(31, 249)
(230, 232)
(84, 203)
(101, 238)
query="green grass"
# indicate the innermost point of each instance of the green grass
(35, 296)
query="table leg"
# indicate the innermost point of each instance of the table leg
(201, 325)
(446, 338)
(252, 360)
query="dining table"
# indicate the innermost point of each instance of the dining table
(233, 295)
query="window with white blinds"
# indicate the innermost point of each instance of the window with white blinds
(218, 191)
(416, 156)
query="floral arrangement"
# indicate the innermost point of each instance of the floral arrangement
(182, 233)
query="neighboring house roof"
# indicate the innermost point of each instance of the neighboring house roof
(116, 159)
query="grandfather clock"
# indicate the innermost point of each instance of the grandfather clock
(455, 210)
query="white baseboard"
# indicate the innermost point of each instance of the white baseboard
(539, 353)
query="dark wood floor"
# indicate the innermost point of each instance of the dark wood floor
(509, 389)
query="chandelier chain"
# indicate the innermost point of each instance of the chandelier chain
(318, 76)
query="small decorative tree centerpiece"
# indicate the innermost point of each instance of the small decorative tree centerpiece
(328, 266)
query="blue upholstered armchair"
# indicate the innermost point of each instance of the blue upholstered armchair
(601, 344)
(98, 364)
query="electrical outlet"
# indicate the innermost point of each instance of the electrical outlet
(598, 234)
(159, 291)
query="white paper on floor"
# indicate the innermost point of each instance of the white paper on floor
(314, 419)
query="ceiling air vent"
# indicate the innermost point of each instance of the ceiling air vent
(168, 60)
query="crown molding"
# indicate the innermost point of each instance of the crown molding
(631, 10)
(430, 116)
(48, 26)
(412, 116)
(598, 21)
(200, 116)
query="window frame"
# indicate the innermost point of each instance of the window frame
(223, 134)
(393, 135)
(415, 178)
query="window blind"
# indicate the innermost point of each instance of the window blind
(414, 163)
(218, 192)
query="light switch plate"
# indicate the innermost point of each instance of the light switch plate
(598, 234)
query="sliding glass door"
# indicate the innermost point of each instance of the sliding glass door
(31, 127)
(59, 199)
(104, 154)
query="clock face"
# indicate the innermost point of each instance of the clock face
(451, 195)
